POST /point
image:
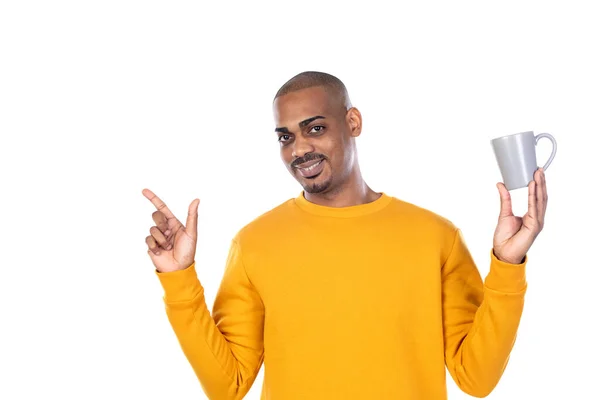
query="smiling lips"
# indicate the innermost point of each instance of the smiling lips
(310, 169)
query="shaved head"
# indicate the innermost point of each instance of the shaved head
(316, 128)
(334, 87)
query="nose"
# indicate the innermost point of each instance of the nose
(301, 146)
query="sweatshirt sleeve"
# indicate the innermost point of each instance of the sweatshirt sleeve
(480, 318)
(225, 350)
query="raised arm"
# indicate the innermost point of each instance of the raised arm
(481, 318)
(225, 350)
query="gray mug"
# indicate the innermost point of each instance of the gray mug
(515, 155)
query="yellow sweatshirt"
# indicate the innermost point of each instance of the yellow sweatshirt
(371, 301)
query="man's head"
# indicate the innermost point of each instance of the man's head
(316, 126)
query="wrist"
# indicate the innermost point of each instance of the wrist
(505, 277)
(509, 260)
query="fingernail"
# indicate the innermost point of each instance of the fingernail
(167, 232)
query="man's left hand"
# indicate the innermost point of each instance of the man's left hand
(515, 235)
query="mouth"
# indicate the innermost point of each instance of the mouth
(311, 170)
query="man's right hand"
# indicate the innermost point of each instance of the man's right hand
(171, 246)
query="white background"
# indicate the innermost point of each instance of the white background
(99, 100)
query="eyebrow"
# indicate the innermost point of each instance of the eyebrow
(301, 124)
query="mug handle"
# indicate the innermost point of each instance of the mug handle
(547, 136)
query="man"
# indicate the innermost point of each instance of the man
(344, 292)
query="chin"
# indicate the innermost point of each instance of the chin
(317, 185)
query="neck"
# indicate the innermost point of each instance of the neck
(353, 192)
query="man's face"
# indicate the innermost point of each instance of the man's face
(315, 138)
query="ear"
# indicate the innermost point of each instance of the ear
(354, 121)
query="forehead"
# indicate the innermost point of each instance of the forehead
(296, 106)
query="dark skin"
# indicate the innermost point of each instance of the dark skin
(340, 184)
(313, 124)
(331, 138)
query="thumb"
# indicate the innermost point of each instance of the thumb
(505, 201)
(191, 225)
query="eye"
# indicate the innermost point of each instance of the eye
(319, 128)
(284, 137)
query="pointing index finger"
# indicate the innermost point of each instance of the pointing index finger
(158, 203)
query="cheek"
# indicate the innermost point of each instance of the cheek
(340, 160)
(335, 152)
(286, 156)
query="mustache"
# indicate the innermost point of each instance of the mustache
(307, 157)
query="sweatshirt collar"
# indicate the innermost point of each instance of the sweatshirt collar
(344, 212)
